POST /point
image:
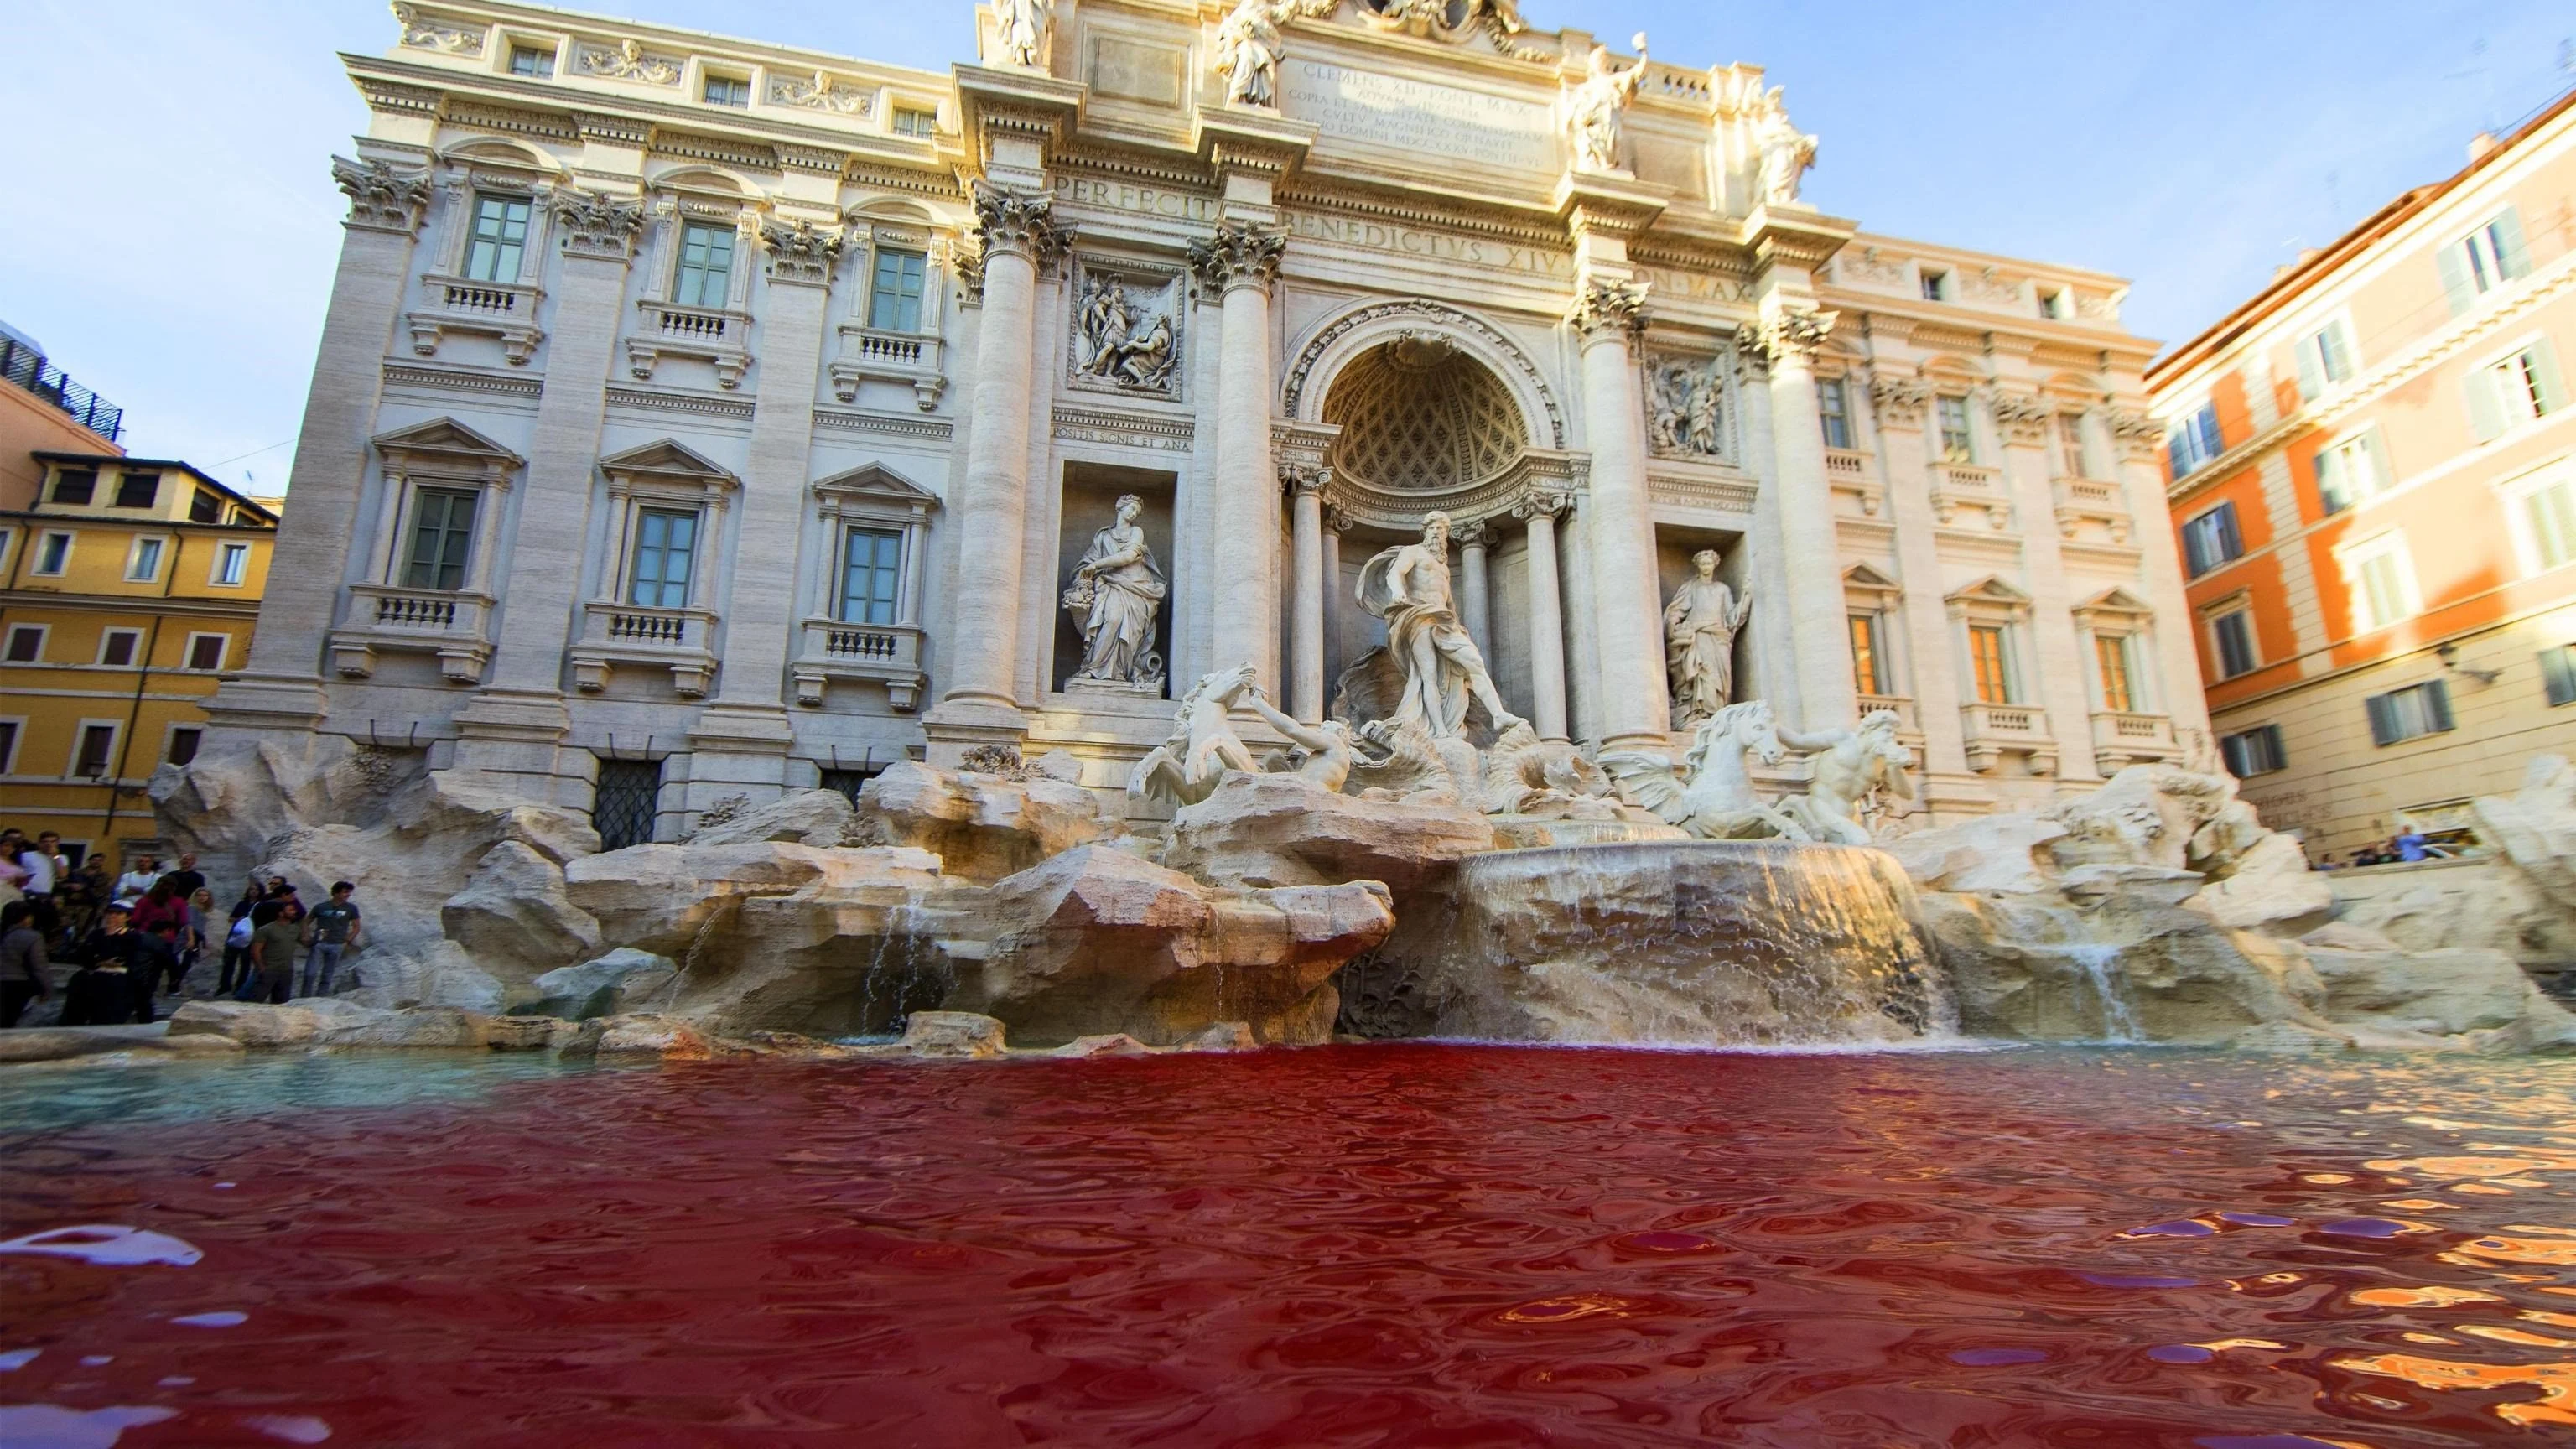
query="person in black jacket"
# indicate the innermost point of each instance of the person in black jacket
(120, 957)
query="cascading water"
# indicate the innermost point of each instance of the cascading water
(2095, 960)
(1702, 943)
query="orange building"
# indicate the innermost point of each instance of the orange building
(2372, 471)
(43, 411)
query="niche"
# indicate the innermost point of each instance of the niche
(1674, 547)
(1091, 494)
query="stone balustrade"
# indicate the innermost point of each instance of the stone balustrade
(1968, 485)
(2123, 737)
(679, 640)
(889, 654)
(506, 310)
(2090, 500)
(875, 354)
(1994, 731)
(718, 335)
(452, 624)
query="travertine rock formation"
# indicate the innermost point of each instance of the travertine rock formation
(1275, 830)
(982, 827)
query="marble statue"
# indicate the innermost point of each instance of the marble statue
(1408, 587)
(1327, 748)
(1786, 153)
(1700, 625)
(1122, 342)
(1595, 107)
(1115, 594)
(1686, 409)
(1020, 30)
(1248, 51)
(1189, 764)
(1712, 796)
(1851, 767)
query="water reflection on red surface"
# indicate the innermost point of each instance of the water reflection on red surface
(1354, 1246)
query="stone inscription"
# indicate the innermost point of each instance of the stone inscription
(1694, 286)
(1443, 247)
(1144, 200)
(1418, 116)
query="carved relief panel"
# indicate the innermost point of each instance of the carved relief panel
(1690, 409)
(1126, 332)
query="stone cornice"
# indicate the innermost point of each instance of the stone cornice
(1795, 240)
(1608, 205)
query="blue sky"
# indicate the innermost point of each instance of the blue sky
(170, 229)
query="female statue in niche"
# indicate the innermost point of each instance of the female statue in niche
(1115, 595)
(1700, 625)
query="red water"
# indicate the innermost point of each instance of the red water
(1383, 1246)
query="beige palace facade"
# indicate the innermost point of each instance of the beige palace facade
(2373, 482)
(697, 418)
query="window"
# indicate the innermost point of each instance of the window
(706, 266)
(2231, 639)
(2194, 441)
(2253, 752)
(232, 564)
(2211, 539)
(116, 647)
(2512, 391)
(206, 507)
(2056, 306)
(2382, 579)
(1936, 285)
(666, 541)
(144, 564)
(727, 90)
(531, 60)
(1869, 656)
(206, 651)
(138, 490)
(8, 746)
(184, 740)
(912, 121)
(2403, 714)
(2351, 471)
(894, 297)
(1990, 657)
(626, 800)
(2545, 511)
(2070, 444)
(442, 536)
(95, 752)
(2111, 653)
(53, 553)
(2484, 260)
(871, 568)
(1958, 444)
(850, 782)
(499, 239)
(2325, 360)
(26, 644)
(1833, 409)
(2558, 674)
(75, 487)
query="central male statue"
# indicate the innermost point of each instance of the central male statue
(1408, 587)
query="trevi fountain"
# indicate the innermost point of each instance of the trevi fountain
(1732, 1062)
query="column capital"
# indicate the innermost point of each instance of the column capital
(1901, 401)
(382, 197)
(2141, 439)
(1608, 311)
(1337, 519)
(1792, 335)
(596, 224)
(1239, 255)
(1471, 534)
(1019, 222)
(802, 252)
(1300, 479)
(1550, 506)
(2020, 417)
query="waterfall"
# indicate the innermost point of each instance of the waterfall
(2119, 1023)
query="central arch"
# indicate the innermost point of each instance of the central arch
(1345, 336)
(1417, 416)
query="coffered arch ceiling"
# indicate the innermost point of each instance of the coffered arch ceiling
(1419, 416)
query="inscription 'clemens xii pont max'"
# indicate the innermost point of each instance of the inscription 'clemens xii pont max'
(1418, 116)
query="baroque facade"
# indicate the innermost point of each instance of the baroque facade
(701, 418)
(2373, 466)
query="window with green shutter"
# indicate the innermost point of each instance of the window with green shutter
(2409, 713)
(499, 239)
(894, 294)
(442, 538)
(2558, 674)
(666, 541)
(2490, 256)
(705, 277)
(2325, 360)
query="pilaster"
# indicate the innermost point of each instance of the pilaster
(2021, 424)
(1898, 407)
(1634, 711)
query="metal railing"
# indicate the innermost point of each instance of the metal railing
(28, 370)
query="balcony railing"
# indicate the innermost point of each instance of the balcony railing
(1847, 471)
(2088, 500)
(2122, 737)
(1994, 731)
(27, 370)
(453, 624)
(834, 649)
(673, 329)
(674, 639)
(505, 310)
(1966, 485)
(905, 357)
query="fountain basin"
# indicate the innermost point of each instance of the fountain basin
(1680, 942)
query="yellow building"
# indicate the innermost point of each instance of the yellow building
(131, 585)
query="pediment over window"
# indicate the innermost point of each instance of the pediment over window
(1863, 584)
(876, 483)
(2115, 605)
(665, 459)
(1990, 597)
(446, 446)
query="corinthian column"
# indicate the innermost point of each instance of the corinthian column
(1238, 264)
(1787, 339)
(1547, 616)
(281, 684)
(1627, 618)
(1306, 641)
(1017, 230)
(1474, 587)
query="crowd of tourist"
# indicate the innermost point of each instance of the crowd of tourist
(2404, 848)
(111, 946)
